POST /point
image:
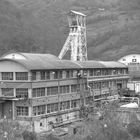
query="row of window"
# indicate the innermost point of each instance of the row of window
(46, 75)
(99, 85)
(54, 107)
(40, 92)
(18, 76)
(49, 108)
(20, 92)
(106, 84)
(98, 72)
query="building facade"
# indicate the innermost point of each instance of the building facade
(132, 61)
(42, 91)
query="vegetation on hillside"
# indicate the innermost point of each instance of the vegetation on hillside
(113, 26)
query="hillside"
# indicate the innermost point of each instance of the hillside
(113, 26)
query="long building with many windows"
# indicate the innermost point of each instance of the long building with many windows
(42, 91)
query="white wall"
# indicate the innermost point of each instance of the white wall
(132, 58)
(14, 56)
(9, 66)
(135, 85)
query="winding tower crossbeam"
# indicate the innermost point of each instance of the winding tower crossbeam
(76, 41)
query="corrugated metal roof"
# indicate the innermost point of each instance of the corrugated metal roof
(101, 64)
(48, 64)
(90, 64)
(44, 64)
(48, 61)
(34, 61)
(38, 56)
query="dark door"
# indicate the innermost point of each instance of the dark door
(7, 109)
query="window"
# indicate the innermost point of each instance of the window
(64, 89)
(67, 74)
(75, 103)
(21, 75)
(7, 76)
(120, 71)
(105, 72)
(7, 91)
(115, 71)
(22, 93)
(33, 75)
(97, 72)
(52, 90)
(38, 92)
(105, 84)
(134, 60)
(85, 72)
(74, 73)
(47, 75)
(109, 71)
(52, 107)
(44, 75)
(71, 73)
(97, 85)
(22, 111)
(90, 72)
(60, 74)
(65, 105)
(55, 73)
(39, 110)
(73, 88)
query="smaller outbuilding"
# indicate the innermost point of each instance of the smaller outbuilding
(133, 63)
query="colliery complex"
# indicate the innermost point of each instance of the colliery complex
(44, 91)
(40, 90)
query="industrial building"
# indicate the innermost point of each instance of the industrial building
(41, 91)
(132, 61)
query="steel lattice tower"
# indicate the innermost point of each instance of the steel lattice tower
(76, 41)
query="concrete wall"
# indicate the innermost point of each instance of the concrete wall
(44, 124)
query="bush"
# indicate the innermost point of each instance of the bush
(134, 129)
(29, 135)
(48, 137)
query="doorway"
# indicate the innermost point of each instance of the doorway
(7, 109)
